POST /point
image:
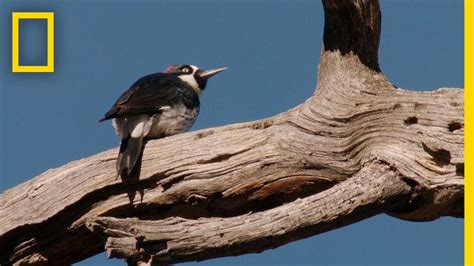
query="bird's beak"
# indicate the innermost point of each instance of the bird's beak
(205, 74)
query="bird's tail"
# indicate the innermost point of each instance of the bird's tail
(130, 151)
(131, 144)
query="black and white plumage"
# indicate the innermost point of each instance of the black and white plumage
(156, 106)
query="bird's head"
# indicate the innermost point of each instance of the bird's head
(193, 76)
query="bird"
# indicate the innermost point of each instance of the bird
(156, 106)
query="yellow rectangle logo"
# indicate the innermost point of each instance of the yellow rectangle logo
(16, 16)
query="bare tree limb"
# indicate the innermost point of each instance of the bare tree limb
(353, 27)
(356, 148)
(375, 189)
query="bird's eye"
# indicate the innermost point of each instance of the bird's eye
(185, 70)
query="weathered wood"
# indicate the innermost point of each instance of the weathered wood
(353, 27)
(356, 148)
(372, 190)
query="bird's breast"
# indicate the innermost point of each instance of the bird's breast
(173, 120)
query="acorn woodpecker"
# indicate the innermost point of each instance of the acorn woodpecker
(156, 106)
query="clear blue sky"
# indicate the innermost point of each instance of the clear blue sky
(272, 51)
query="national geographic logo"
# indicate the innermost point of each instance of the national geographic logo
(16, 17)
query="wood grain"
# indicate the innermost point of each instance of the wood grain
(356, 148)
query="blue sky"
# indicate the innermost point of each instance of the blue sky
(272, 51)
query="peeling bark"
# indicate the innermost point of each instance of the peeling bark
(357, 148)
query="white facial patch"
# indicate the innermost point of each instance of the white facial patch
(189, 78)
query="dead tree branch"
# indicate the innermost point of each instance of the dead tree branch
(357, 148)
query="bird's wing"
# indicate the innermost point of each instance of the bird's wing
(150, 94)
